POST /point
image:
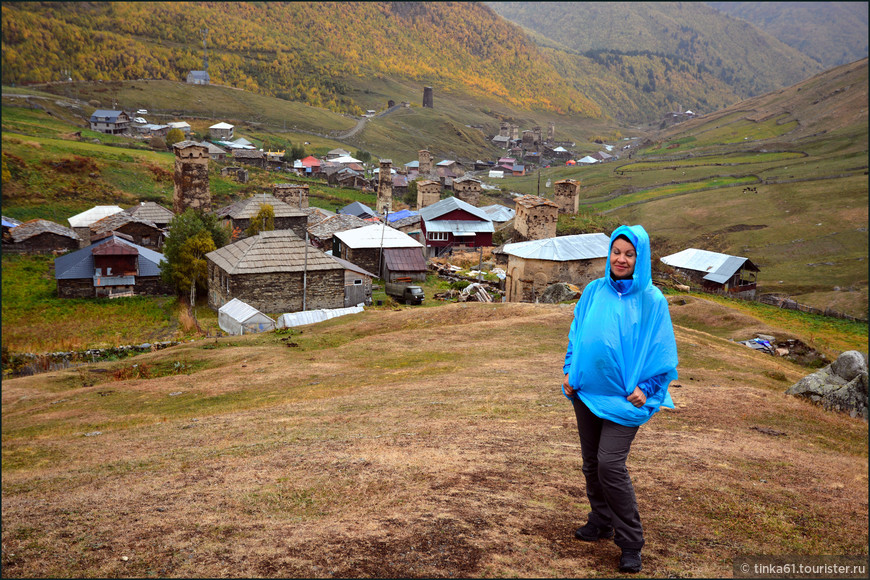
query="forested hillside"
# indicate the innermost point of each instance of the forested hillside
(309, 52)
(832, 33)
(677, 41)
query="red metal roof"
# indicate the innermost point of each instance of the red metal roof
(404, 260)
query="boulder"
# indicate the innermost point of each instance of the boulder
(560, 292)
(840, 386)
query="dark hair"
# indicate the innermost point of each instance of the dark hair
(623, 237)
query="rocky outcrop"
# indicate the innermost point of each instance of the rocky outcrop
(560, 292)
(840, 386)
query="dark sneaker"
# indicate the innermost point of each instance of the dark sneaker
(629, 561)
(591, 533)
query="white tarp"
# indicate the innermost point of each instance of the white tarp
(314, 316)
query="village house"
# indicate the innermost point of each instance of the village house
(221, 131)
(8, 225)
(198, 77)
(367, 246)
(275, 272)
(293, 194)
(141, 231)
(716, 273)
(449, 168)
(108, 268)
(412, 169)
(400, 185)
(316, 215)
(152, 212)
(499, 214)
(408, 222)
(239, 214)
(214, 152)
(453, 224)
(311, 164)
(40, 236)
(336, 153)
(358, 209)
(320, 234)
(249, 157)
(81, 222)
(357, 284)
(468, 189)
(182, 126)
(428, 192)
(110, 122)
(536, 217)
(533, 266)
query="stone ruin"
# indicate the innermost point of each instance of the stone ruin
(840, 386)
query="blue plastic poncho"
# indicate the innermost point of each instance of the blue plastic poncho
(621, 338)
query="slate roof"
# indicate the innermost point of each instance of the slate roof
(316, 215)
(404, 260)
(9, 222)
(248, 153)
(86, 218)
(562, 248)
(374, 235)
(151, 211)
(358, 209)
(445, 206)
(116, 221)
(271, 252)
(718, 267)
(187, 143)
(534, 201)
(80, 264)
(31, 228)
(334, 224)
(406, 221)
(248, 208)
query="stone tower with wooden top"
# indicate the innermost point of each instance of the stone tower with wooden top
(385, 187)
(566, 193)
(191, 177)
(425, 158)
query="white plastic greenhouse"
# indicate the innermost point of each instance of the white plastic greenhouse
(237, 317)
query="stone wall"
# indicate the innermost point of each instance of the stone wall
(425, 158)
(536, 218)
(566, 194)
(84, 287)
(279, 292)
(428, 194)
(44, 243)
(385, 187)
(191, 179)
(292, 194)
(527, 279)
(468, 191)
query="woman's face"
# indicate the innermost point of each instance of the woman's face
(622, 259)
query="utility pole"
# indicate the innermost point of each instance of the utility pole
(305, 275)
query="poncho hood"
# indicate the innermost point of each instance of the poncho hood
(622, 338)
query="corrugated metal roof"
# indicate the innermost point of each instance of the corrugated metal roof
(80, 264)
(459, 227)
(445, 206)
(562, 248)
(267, 252)
(405, 260)
(240, 311)
(86, 218)
(499, 213)
(374, 235)
(35, 227)
(718, 267)
(358, 209)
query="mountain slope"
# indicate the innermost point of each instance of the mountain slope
(745, 58)
(832, 33)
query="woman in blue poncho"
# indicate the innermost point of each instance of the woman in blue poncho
(621, 357)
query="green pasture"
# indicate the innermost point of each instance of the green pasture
(712, 161)
(669, 191)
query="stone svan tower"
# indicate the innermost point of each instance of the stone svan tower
(385, 187)
(566, 193)
(292, 194)
(428, 98)
(425, 158)
(191, 177)
(536, 218)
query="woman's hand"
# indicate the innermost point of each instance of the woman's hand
(568, 390)
(637, 398)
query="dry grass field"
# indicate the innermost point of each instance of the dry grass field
(411, 443)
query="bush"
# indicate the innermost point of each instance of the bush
(157, 143)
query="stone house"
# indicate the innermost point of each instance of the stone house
(292, 194)
(533, 266)
(321, 233)
(239, 214)
(216, 153)
(81, 222)
(183, 126)
(336, 153)
(275, 272)
(221, 131)
(716, 273)
(250, 157)
(358, 209)
(468, 189)
(40, 236)
(449, 168)
(140, 231)
(499, 214)
(357, 284)
(109, 267)
(536, 217)
(198, 77)
(454, 224)
(366, 246)
(240, 173)
(110, 122)
(152, 212)
(566, 193)
(428, 192)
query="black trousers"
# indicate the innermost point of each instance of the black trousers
(604, 446)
